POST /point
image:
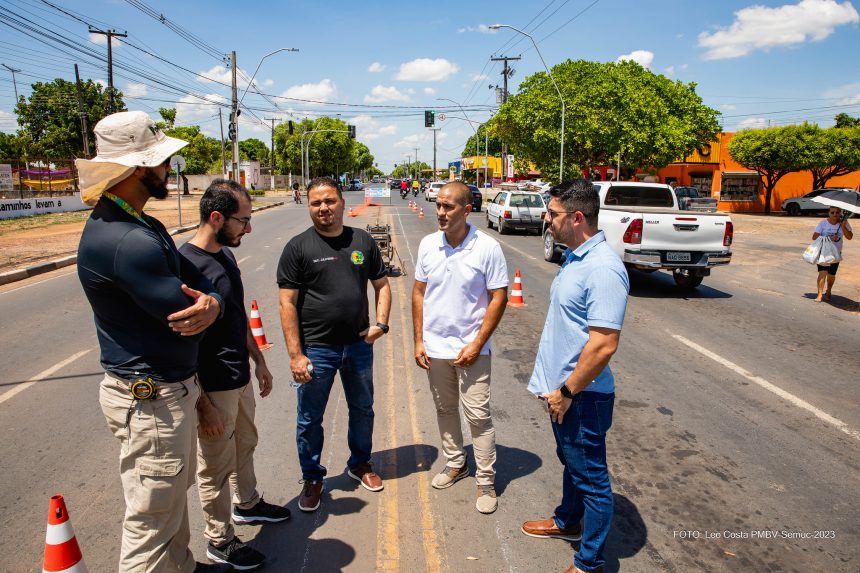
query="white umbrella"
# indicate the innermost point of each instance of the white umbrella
(840, 198)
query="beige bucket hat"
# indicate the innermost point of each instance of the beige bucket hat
(124, 141)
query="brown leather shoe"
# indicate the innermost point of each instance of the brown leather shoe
(365, 475)
(309, 500)
(547, 528)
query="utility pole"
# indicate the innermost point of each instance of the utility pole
(272, 162)
(235, 120)
(82, 112)
(14, 83)
(434, 130)
(109, 34)
(223, 150)
(506, 73)
(417, 165)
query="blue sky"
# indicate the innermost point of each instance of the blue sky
(772, 62)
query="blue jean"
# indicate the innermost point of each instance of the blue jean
(586, 492)
(355, 364)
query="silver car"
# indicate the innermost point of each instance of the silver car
(516, 210)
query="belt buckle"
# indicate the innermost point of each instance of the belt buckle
(144, 389)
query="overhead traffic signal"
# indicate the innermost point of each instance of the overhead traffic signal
(351, 130)
(429, 118)
(290, 126)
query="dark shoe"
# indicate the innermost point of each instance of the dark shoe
(237, 554)
(213, 568)
(262, 511)
(364, 475)
(309, 500)
(449, 476)
(547, 528)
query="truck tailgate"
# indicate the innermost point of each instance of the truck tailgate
(683, 231)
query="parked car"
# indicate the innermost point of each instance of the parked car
(519, 210)
(642, 223)
(431, 191)
(805, 205)
(689, 199)
(477, 198)
(355, 185)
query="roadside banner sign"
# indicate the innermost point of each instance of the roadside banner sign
(373, 191)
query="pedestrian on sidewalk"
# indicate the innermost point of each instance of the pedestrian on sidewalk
(151, 305)
(323, 275)
(588, 298)
(458, 299)
(836, 227)
(227, 434)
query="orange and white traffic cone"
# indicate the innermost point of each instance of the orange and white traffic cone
(350, 213)
(257, 327)
(517, 292)
(61, 547)
(421, 214)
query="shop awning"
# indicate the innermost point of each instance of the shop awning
(740, 174)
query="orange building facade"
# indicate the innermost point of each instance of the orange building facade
(738, 189)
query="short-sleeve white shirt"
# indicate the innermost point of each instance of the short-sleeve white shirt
(828, 229)
(456, 298)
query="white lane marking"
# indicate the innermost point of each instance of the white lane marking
(38, 282)
(42, 375)
(820, 414)
(513, 248)
(408, 248)
(260, 268)
(243, 259)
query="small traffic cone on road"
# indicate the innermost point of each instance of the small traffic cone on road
(421, 214)
(516, 299)
(61, 547)
(257, 327)
(350, 213)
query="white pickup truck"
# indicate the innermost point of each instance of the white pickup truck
(642, 223)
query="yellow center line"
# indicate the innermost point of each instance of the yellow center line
(433, 553)
(387, 537)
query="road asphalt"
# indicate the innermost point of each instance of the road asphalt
(735, 441)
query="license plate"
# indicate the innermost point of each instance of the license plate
(678, 257)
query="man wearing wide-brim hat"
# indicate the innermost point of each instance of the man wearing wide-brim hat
(151, 305)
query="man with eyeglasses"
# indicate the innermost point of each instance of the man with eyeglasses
(588, 299)
(323, 275)
(227, 434)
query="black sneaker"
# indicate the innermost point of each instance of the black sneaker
(237, 554)
(213, 568)
(262, 511)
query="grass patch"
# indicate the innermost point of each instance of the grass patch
(39, 221)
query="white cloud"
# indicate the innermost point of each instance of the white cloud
(641, 57)
(223, 75)
(848, 94)
(190, 109)
(429, 91)
(670, 71)
(135, 90)
(369, 129)
(762, 27)
(478, 77)
(382, 93)
(325, 90)
(729, 106)
(101, 40)
(426, 70)
(388, 129)
(482, 28)
(8, 122)
(376, 67)
(753, 123)
(412, 141)
(102, 83)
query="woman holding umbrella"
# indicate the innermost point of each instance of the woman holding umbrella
(836, 227)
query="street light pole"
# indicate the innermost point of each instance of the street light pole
(477, 141)
(561, 159)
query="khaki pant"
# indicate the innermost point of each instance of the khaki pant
(228, 458)
(157, 465)
(469, 386)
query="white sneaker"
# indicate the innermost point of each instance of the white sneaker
(487, 502)
(449, 476)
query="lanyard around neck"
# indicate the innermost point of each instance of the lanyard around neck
(123, 204)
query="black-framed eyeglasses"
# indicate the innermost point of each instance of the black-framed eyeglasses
(552, 213)
(246, 221)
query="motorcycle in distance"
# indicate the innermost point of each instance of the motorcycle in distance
(404, 193)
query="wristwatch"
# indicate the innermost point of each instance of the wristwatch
(565, 391)
(383, 327)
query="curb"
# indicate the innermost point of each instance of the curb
(41, 268)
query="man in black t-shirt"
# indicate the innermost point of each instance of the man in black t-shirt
(227, 435)
(323, 275)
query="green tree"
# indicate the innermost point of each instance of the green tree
(328, 152)
(611, 107)
(831, 153)
(362, 159)
(254, 150)
(49, 116)
(373, 171)
(773, 153)
(12, 146)
(168, 116)
(845, 120)
(493, 142)
(202, 154)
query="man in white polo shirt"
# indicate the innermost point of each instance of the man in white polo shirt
(459, 297)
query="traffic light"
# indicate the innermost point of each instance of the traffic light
(351, 130)
(290, 126)
(429, 118)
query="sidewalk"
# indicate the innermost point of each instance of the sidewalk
(29, 252)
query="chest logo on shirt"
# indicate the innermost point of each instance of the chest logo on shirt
(357, 257)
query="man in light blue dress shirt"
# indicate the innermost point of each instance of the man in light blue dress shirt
(588, 299)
